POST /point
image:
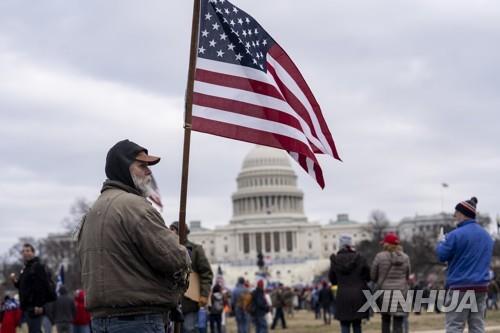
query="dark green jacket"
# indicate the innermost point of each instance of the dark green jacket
(200, 265)
(131, 262)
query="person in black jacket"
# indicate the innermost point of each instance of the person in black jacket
(326, 300)
(278, 300)
(350, 272)
(259, 308)
(35, 288)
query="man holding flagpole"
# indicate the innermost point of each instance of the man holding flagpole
(134, 270)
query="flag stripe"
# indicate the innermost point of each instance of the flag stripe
(257, 75)
(250, 122)
(255, 99)
(251, 110)
(226, 80)
(310, 166)
(291, 82)
(319, 175)
(303, 162)
(252, 135)
(230, 69)
(280, 56)
(297, 106)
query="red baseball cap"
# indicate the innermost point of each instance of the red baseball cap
(391, 238)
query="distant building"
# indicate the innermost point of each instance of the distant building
(430, 225)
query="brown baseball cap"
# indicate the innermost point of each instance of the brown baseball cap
(149, 159)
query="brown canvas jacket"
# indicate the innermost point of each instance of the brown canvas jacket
(131, 262)
(200, 265)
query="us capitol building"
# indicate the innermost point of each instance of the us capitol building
(268, 218)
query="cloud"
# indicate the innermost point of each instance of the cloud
(409, 89)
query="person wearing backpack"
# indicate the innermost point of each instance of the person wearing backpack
(35, 288)
(240, 301)
(216, 308)
(390, 271)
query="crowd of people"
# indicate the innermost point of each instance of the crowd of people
(137, 277)
(40, 303)
(467, 251)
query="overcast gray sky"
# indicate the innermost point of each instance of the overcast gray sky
(408, 88)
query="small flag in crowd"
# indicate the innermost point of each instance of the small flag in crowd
(247, 88)
(60, 278)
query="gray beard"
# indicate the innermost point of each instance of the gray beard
(144, 185)
(148, 188)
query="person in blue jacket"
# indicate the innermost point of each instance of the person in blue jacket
(467, 250)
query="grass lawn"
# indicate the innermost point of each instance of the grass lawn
(304, 322)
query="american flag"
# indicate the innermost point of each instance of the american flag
(60, 278)
(247, 88)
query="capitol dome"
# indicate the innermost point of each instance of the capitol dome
(267, 188)
(262, 156)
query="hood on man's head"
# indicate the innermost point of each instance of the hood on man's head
(121, 156)
(346, 262)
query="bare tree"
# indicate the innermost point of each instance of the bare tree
(377, 224)
(423, 259)
(53, 250)
(60, 249)
(79, 208)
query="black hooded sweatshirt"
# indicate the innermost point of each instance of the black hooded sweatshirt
(119, 159)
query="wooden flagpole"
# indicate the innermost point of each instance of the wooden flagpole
(187, 121)
(187, 129)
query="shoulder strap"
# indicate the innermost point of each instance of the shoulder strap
(386, 273)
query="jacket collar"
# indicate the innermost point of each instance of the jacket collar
(464, 223)
(32, 261)
(113, 185)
